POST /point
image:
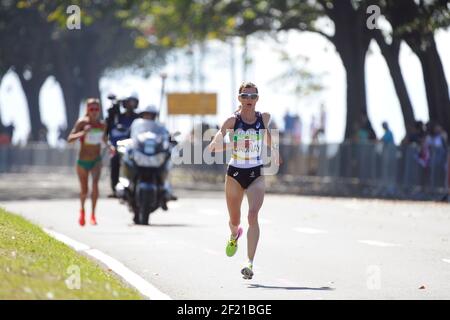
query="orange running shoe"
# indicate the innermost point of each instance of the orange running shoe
(81, 220)
(93, 221)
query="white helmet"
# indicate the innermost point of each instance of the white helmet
(134, 96)
(150, 109)
(131, 97)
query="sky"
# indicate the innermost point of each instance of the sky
(266, 65)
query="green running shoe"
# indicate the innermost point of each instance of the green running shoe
(232, 244)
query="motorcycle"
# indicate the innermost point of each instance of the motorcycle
(144, 170)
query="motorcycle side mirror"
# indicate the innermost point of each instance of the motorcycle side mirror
(175, 134)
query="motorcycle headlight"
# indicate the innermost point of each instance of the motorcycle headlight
(149, 147)
(153, 161)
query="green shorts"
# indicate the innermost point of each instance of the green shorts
(89, 164)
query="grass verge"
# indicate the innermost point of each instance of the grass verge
(35, 266)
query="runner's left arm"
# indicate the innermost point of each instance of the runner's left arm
(271, 142)
(106, 143)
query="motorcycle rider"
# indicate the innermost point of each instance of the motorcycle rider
(149, 114)
(118, 128)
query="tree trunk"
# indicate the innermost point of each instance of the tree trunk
(72, 98)
(92, 89)
(402, 93)
(436, 85)
(91, 77)
(78, 74)
(421, 41)
(67, 74)
(32, 88)
(2, 126)
(75, 91)
(391, 56)
(354, 64)
(352, 40)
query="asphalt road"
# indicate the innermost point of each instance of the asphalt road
(310, 248)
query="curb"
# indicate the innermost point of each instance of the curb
(140, 284)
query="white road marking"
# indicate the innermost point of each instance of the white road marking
(78, 246)
(132, 278)
(213, 252)
(446, 260)
(210, 212)
(310, 230)
(379, 243)
(143, 286)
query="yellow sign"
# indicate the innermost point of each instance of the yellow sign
(191, 103)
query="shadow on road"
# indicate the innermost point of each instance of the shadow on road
(164, 225)
(261, 286)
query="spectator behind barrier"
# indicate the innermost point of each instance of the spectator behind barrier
(388, 137)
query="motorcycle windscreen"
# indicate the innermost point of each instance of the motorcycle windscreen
(143, 129)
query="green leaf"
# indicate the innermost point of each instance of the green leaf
(141, 42)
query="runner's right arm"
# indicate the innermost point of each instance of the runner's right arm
(78, 131)
(218, 144)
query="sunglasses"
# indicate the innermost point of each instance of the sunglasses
(252, 96)
(93, 109)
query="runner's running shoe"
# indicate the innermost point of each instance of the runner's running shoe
(93, 221)
(232, 244)
(247, 272)
(81, 220)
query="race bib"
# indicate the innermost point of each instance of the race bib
(94, 136)
(247, 145)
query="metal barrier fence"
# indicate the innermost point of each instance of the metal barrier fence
(37, 157)
(348, 169)
(387, 170)
(328, 169)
